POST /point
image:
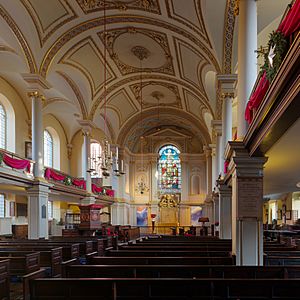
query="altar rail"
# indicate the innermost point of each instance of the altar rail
(175, 230)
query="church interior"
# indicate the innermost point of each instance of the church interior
(145, 139)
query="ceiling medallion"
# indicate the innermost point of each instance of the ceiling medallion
(157, 95)
(140, 52)
(110, 37)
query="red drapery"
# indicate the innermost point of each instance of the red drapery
(291, 22)
(289, 25)
(17, 163)
(96, 189)
(226, 164)
(49, 173)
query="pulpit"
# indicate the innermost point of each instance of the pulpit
(90, 217)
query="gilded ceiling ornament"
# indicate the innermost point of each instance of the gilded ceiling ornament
(140, 52)
(136, 89)
(160, 38)
(89, 6)
(236, 7)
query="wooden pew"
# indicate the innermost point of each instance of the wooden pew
(25, 266)
(180, 271)
(4, 279)
(163, 288)
(50, 259)
(69, 250)
(160, 253)
(176, 247)
(105, 260)
(22, 262)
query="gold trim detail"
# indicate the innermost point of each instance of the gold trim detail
(21, 39)
(77, 93)
(109, 37)
(90, 6)
(36, 95)
(198, 29)
(146, 77)
(85, 26)
(38, 24)
(228, 36)
(136, 89)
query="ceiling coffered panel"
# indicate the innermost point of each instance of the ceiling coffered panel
(168, 51)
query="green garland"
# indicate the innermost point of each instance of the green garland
(278, 40)
(1, 158)
(68, 180)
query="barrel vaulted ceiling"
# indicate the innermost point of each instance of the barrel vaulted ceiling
(183, 45)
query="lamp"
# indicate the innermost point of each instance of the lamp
(108, 161)
(141, 53)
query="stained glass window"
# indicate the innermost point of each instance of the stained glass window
(2, 127)
(169, 168)
(48, 149)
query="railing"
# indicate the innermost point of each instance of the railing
(262, 84)
(63, 178)
(16, 162)
(103, 191)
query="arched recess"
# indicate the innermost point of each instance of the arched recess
(60, 150)
(10, 138)
(20, 128)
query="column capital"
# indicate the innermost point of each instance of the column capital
(208, 151)
(86, 126)
(217, 126)
(36, 85)
(227, 84)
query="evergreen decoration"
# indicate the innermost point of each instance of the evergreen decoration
(68, 180)
(1, 158)
(279, 44)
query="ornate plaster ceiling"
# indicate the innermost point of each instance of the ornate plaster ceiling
(71, 42)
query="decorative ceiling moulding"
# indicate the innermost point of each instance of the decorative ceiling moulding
(110, 129)
(45, 31)
(77, 93)
(118, 42)
(202, 108)
(228, 36)
(119, 19)
(203, 61)
(21, 39)
(119, 107)
(158, 96)
(89, 49)
(198, 28)
(180, 119)
(146, 77)
(90, 6)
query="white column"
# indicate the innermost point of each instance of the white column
(227, 121)
(38, 211)
(217, 128)
(37, 134)
(247, 61)
(213, 165)
(247, 205)
(86, 160)
(208, 170)
(224, 211)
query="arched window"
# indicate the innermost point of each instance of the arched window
(96, 157)
(2, 127)
(48, 149)
(169, 168)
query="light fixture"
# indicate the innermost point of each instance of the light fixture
(298, 184)
(107, 161)
(141, 53)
